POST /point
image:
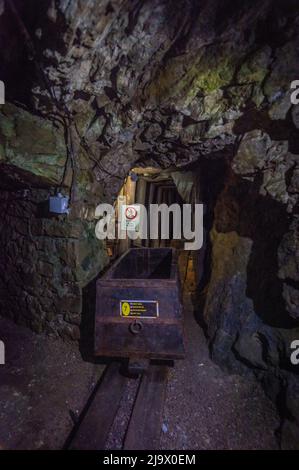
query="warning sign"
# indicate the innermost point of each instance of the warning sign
(130, 217)
(139, 308)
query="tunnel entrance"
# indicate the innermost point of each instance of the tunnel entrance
(151, 185)
(147, 186)
(142, 271)
(148, 278)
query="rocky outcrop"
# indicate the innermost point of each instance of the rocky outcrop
(249, 320)
(32, 146)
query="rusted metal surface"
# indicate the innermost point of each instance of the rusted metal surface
(145, 424)
(138, 307)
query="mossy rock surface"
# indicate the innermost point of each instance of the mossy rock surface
(32, 144)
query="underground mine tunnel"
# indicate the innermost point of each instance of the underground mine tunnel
(140, 103)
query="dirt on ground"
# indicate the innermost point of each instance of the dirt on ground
(45, 385)
(206, 408)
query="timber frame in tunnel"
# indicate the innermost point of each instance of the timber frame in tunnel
(148, 186)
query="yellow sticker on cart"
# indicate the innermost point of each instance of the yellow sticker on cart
(125, 309)
(139, 308)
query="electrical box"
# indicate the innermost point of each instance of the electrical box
(59, 204)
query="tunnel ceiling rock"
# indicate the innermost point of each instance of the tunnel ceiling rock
(145, 82)
(257, 153)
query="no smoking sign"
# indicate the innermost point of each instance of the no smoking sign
(130, 217)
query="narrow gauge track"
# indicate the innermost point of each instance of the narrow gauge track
(143, 431)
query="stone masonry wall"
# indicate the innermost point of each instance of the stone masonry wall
(45, 262)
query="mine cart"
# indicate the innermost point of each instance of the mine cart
(138, 307)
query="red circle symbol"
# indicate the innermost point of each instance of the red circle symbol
(131, 213)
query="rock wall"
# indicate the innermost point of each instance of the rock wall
(251, 308)
(46, 259)
(45, 262)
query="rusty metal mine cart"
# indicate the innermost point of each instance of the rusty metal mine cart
(138, 307)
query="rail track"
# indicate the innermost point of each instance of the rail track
(96, 420)
(92, 430)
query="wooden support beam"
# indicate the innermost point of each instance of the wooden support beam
(145, 425)
(92, 431)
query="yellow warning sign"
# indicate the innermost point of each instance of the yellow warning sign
(139, 308)
(125, 309)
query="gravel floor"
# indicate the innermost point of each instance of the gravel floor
(207, 408)
(42, 385)
(44, 382)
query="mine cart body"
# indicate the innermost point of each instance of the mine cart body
(138, 307)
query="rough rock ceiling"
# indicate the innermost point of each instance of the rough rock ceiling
(156, 82)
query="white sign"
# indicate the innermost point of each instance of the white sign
(130, 217)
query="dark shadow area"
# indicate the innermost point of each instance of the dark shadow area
(143, 263)
(212, 176)
(86, 344)
(279, 129)
(22, 63)
(241, 208)
(234, 204)
(87, 325)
